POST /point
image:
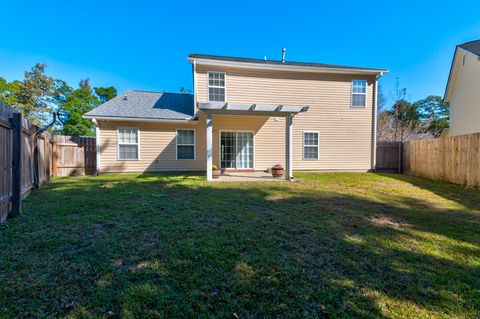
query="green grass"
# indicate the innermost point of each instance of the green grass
(166, 246)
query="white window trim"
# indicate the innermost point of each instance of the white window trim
(138, 142)
(303, 146)
(194, 144)
(351, 94)
(220, 150)
(215, 86)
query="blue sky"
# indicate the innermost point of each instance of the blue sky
(144, 45)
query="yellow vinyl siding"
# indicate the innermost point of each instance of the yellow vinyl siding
(345, 133)
(465, 96)
(157, 148)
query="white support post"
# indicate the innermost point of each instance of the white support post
(209, 146)
(288, 146)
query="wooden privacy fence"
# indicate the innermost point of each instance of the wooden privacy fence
(389, 157)
(455, 159)
(75, 155)
(28, 159)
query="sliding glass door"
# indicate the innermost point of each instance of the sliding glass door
(236, 150)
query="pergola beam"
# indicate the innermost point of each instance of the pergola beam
(253, 109)
(287, 111)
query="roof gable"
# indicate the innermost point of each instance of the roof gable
(147, 105)
(286, 65)
(472, 47)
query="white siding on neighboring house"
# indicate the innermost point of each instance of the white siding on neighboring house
(464, 95)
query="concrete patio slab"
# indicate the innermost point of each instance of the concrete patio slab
(256, 176)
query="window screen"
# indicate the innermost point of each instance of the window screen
(310, 145)
(216, 86)
(185, 144)
(359, 93)
(128, 144)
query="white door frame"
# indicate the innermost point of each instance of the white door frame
(220, 148)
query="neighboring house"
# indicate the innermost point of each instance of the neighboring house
(245, 114)
(463, 89)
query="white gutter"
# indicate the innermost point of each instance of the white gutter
(298, 68)
(138, 119)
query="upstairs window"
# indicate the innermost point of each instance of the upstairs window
(216, 86)
(185, 144)
(310, 145)
(359, 93)
(127, 143)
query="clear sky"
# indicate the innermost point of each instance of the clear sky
(144, 45)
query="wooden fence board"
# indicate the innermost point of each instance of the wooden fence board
(6, 145)
(455, 159)
(388, 156)
(74, 155)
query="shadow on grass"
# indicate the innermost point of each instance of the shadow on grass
(463, 195)
(176, 246)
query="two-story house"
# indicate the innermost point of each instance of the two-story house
(245, 115)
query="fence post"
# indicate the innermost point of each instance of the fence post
(46, 153)
(400, 157)
(35, 156)
(17, 163)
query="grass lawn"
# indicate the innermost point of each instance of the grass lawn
(156, 246)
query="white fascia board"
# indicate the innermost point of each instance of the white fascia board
(135, 119)
(296, 68)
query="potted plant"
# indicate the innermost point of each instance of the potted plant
(216, 172)
(277, 170)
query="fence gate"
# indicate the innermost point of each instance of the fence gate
(389, 157)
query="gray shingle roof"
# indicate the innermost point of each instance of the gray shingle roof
(472, 46)
(147, 105)
(276, 62)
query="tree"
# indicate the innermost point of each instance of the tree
(184, 90)
(75, 104)
(405, 118)
(105, 93)
(382, 100)
(38, 95)
(434, 111)
(390, 130)
(8, 91)
(32, 96)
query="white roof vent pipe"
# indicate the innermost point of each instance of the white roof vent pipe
(283, 54)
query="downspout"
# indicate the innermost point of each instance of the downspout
(194, 88)
(374, 124)
(97, 146)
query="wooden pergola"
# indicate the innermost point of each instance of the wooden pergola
(287, 111)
